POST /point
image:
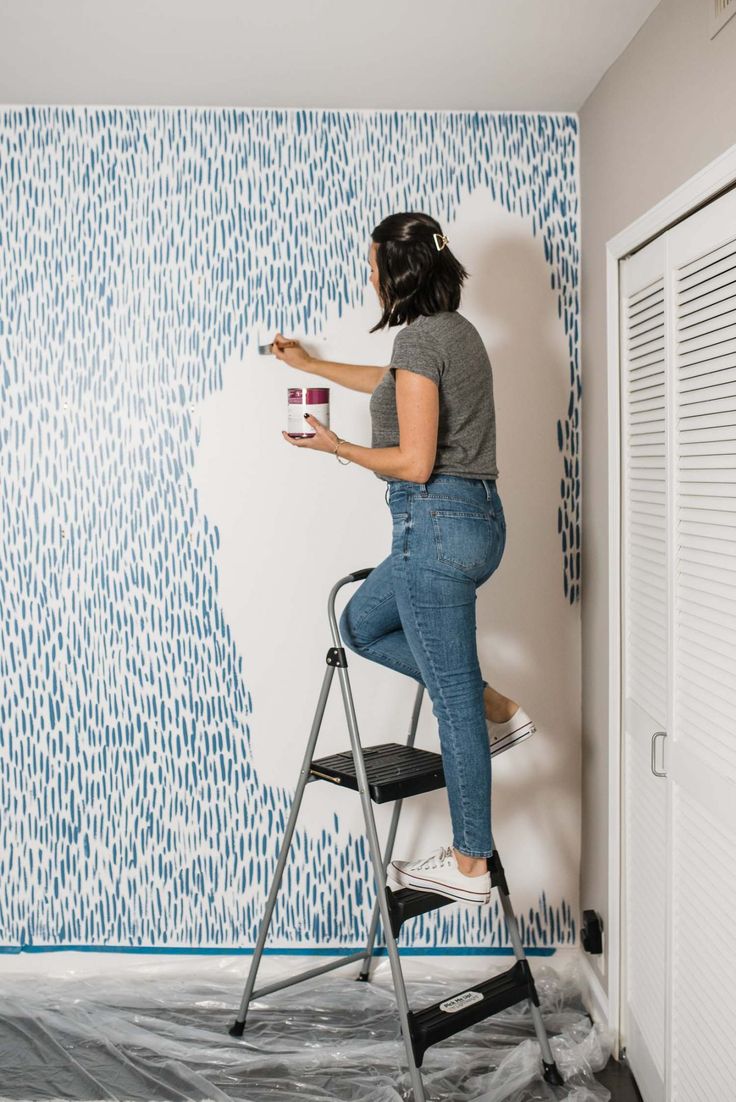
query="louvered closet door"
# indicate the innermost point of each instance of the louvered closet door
(645, 628)
(701, 748)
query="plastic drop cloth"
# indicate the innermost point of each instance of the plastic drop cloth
(141, 1028)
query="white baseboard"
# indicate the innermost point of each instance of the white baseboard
(595, 999)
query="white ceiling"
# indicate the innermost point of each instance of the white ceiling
(545, 55)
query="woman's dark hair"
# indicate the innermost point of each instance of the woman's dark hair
(414, 276)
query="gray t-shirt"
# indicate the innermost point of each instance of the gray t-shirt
(447, 348)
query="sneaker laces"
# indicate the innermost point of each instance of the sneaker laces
(437, 857)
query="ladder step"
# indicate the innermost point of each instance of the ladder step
(455, 1013)
(404, 903)
(393, 770)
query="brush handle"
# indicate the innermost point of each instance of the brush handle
(267, 349)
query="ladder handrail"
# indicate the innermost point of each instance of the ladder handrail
(355, 576)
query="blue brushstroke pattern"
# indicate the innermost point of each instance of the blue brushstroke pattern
(139, 250)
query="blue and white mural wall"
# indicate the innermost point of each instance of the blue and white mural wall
(166, 556)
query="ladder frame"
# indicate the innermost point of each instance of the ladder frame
(337, 659)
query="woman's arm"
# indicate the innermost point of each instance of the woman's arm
(417, 407)
(352, 376)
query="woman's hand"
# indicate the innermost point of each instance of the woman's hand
(325, 439)
(291, 352)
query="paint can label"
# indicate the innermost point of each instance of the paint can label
(295, 415)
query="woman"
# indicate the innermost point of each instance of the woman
(434, 443)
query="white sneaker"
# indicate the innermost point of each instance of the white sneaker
(502, 736)
(440, 873)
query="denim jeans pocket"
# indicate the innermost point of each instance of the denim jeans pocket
(464, 538)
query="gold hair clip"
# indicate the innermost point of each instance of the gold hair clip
(439, 237)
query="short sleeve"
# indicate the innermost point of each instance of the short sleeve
(419, 353)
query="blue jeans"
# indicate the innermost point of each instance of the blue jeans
(415, 613)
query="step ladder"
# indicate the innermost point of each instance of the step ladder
(390, 772)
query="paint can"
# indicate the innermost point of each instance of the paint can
(303, 399)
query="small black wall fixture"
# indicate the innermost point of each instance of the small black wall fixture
(591, 934)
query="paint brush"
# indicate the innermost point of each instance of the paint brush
(267, 349)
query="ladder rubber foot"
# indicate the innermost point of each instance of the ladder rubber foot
(236, 1030)
(457, 1012)
(552, 1074)
(362, 978)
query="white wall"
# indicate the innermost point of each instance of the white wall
(661, 112)
(302, 520)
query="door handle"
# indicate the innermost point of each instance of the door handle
(655, 736)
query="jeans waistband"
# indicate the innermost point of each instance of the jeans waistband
(422, 488)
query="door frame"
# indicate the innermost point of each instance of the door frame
(716, 177)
